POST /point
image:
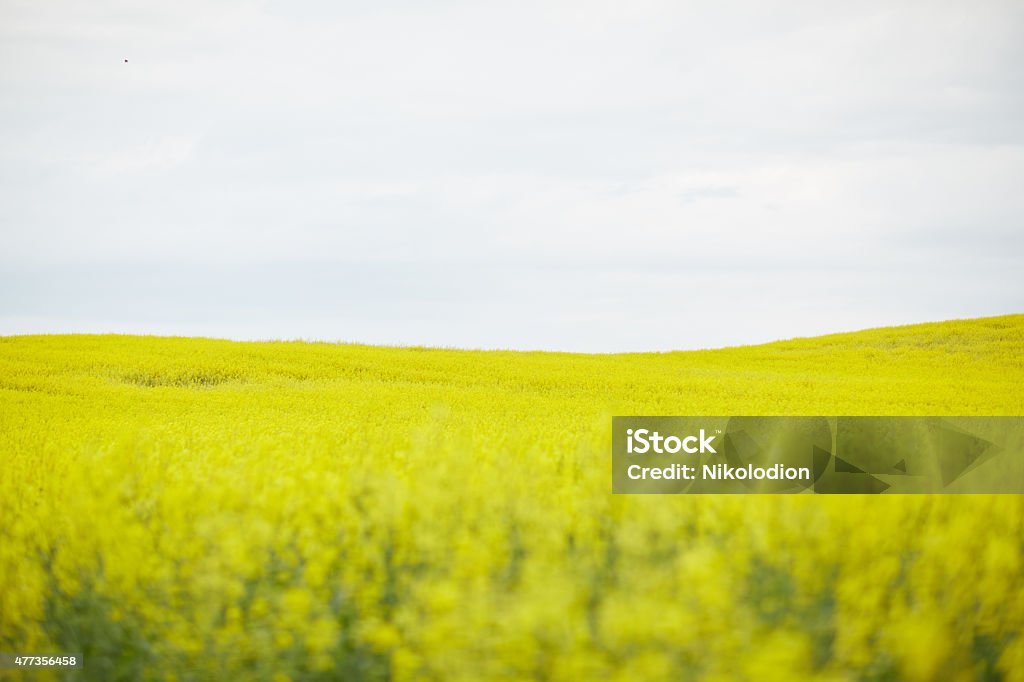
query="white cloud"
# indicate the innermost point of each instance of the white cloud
(676, 146)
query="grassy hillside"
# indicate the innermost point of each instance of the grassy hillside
(316, 511)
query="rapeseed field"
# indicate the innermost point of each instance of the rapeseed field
(193, 509)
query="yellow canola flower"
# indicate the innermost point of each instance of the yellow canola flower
(199, 509)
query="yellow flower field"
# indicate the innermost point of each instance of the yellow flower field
(193, 509)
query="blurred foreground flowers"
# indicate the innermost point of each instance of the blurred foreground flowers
(194, 509)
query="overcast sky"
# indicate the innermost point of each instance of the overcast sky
(567, 176)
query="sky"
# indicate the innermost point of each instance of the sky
(579, 176)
